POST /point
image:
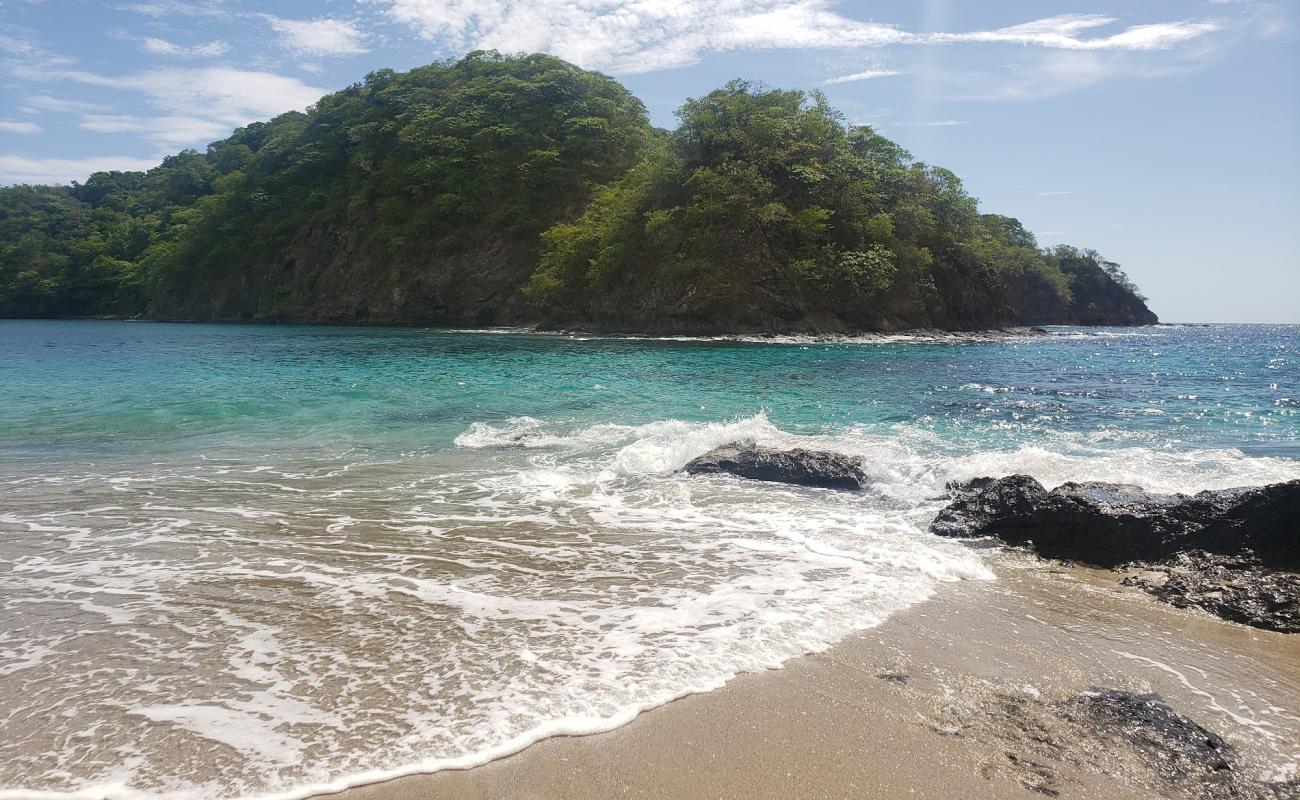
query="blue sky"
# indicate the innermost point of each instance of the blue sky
(1164, 134)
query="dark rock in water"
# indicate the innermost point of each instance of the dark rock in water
(1190, 760)
(1173, 746)
(986, 506)
(746, 459)
(1231, 587)
(1109, 524)
(1040, 331)
(1109, 730)
(1229, 552)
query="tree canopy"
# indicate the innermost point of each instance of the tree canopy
(404, 171)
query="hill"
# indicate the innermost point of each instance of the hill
(523, 190)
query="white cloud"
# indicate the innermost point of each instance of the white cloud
(45, 102)
(1055, 194)
(20, 169)
(229, 95)
(25, 50)
(1055, 73)
(165, 131)
(163, 47)
(171, 8)
(319, 37)
(640, 36)
(12, 126)
(1064, 32)
(645, 35)
(14, 46)
(198, 105)
(865, 75)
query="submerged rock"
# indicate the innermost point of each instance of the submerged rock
(1109, 524)
(1231, 552)
(1044, 744)
(746, 459)
(1188, 759)
(1173, 746)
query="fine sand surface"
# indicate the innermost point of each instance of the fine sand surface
(953, 698)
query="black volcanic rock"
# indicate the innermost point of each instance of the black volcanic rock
(746, 459)
(1179, 751)
(1231, 552)
(1231, 587)
(1109, 524)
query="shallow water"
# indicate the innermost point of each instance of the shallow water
(253, 560)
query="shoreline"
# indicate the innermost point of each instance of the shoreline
(541, 328)
(793, 336)
(955, 696)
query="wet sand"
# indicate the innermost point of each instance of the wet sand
(952, 698)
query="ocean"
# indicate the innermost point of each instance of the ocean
(268, 561)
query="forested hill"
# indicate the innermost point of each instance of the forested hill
(523, 190)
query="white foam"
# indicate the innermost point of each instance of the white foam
(316, 629)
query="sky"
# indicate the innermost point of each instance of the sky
(1165, 134)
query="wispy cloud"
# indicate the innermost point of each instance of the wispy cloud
(14, 126)
(20, 169)
(1065, 32)
(1055, 194)
(169, 131)
(640, 37)
(865, 75)
(184, 8)
(636, 37)
(220, 93)
(319, 37)
(1049, 74)
(162, 47)
(44, 102)
(198, 105)
(25, 49)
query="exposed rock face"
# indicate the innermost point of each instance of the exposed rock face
(1096, 299)
(746, 459)
(1230, 552)
(1230, 587)
(331, 273)
(1109, 524)
(756, 294)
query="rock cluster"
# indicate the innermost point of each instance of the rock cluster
(1232, 552)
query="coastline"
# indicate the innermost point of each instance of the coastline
(953, 697)
(1035, 330)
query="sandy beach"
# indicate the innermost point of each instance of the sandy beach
(957, 697)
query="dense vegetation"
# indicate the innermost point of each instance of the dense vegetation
(97, 247)
(499, 189)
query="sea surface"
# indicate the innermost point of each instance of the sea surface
(266, 561)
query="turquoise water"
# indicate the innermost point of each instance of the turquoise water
(102, 388)
(307, 556)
